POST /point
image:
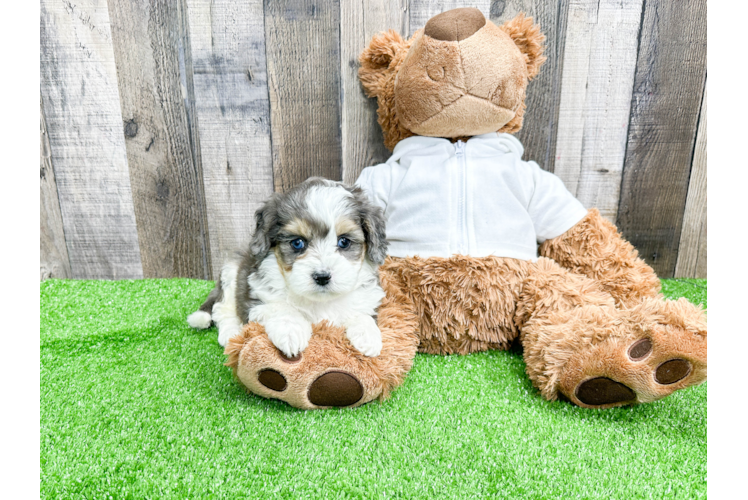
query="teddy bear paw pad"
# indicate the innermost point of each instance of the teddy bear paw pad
(604, 391)
(640, 349)
(639, 371)
(672, 371)
(335, 389)
(272, 379)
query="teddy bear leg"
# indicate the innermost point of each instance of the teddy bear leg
(594, 248)
(330, 372)
(577, 343)
(464, 304)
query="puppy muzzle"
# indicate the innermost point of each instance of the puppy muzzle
(322, 278)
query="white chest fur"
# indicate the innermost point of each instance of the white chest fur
(268, 285)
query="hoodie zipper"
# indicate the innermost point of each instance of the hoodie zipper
(462, 198)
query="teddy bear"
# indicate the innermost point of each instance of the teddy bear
(485, 249)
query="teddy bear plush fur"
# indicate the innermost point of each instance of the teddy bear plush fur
(436, 74)
(588, 313)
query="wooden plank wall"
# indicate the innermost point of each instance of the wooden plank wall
(54, 253)
(226, 78)
(165, 175)
(668, 89)
(165, 125)
(87, 140)
(362, 143)
(692, 247)
(596, 88)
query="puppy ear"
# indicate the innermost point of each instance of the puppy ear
(376, 59)
(371, 218)
(265, 219)
(376, 238)
(529, 39)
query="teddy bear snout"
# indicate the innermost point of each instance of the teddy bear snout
(452, 84)
(455, 25)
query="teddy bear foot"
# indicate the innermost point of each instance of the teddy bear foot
(328, 373)
(639, 369)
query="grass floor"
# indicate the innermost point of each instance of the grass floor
(135, 404)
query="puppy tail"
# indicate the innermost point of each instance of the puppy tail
(202, 319)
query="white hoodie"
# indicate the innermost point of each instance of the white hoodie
(474, 198)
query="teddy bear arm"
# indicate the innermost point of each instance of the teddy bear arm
(595, 248)
(330, 371)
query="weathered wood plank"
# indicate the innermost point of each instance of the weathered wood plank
(423, 10)
(598, 74)
(53, 256)
(669, 84)
(227, 42)
(303, 61)
(361, 137)
(539, 129)
(81, 107)
(166, 178)
(692, 248)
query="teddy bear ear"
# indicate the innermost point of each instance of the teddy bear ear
(376, 59)
(529, 39)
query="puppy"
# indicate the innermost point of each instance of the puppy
(314, 256)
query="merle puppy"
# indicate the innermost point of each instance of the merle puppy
(314, 256)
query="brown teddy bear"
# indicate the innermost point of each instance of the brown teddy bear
(465, 215)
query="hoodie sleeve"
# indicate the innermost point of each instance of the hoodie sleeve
(553, 209)
(376, 182)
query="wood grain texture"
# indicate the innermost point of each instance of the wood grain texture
(598, 73)
(539, 129)
(423, 10)
(668, 89)
(84, 122)
(165, 176)
(189, 114)
(692, 249)
(227, 43)
(362, 144)
(53, 255)
(303, 61)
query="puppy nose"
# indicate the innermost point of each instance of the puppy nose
(321, 278)
(455, 25)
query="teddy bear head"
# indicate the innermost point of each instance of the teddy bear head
(459, 76)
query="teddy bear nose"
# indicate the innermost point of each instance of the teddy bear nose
(455, 25)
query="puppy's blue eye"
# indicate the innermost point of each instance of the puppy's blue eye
(344, 243)
(298, 244)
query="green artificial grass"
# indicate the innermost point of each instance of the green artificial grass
(135, 404)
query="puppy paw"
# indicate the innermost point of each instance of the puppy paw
(289, 334)
(224, 334)
(366, 337)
